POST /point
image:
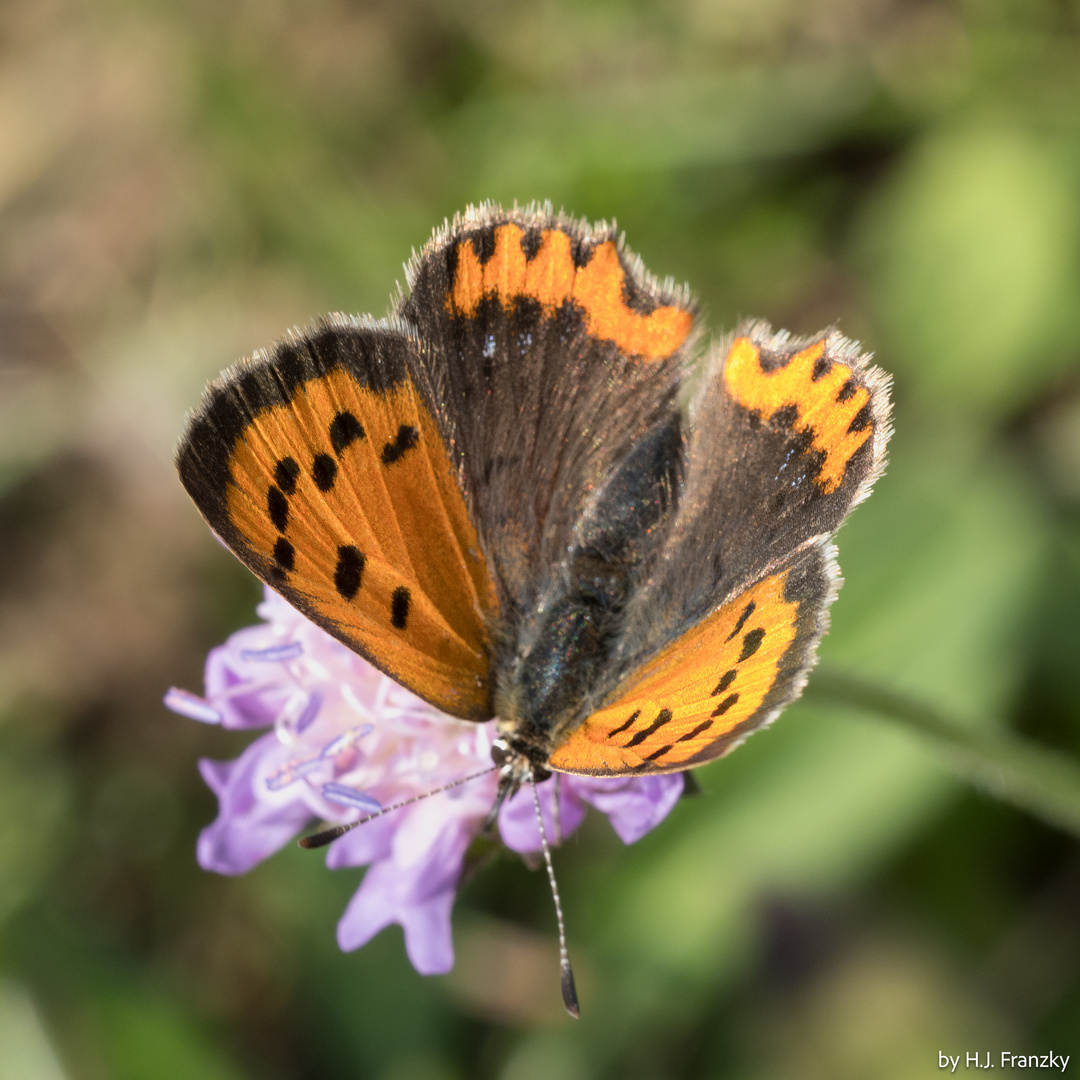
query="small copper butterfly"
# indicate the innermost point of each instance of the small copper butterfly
(530, 494)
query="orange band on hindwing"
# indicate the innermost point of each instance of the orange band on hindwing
(695, 693)
(826, 400)
(551, 278)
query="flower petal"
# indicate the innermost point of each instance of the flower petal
(372, 908)
(633, 806)
(247, 695)
(323, 700)
(517, 819)
(367, 843)
(429, 940)
(418, 897)
(247, 829)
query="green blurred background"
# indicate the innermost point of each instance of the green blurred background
(181, 180)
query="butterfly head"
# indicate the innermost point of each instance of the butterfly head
(518, 764)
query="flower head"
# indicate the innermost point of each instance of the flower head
(347, 741)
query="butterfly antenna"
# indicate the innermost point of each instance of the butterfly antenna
(566, 973)
(328, 836)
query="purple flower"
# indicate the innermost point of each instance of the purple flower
(347, 740)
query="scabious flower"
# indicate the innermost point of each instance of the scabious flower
(346, 741)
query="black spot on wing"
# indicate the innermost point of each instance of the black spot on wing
(345, 429)
(725, 681)
(531, 241)
(821, 366)
(286, 472)
(861, 420)
(786, 417)
(284, 553)
(349, 571)
(278, 507)
(483, 242)
(703, 726)
(324, 471)
(629, 721)
(725, 705)
(751, 644)
(747, 612)
(581, 252)
(847, 390)
(399, 608)
(662, 718)
(407, 438)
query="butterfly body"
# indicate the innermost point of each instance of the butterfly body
(526, 496)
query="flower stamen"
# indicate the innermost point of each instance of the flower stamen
(344, 795)
(273, 653)
(346, 740)
(292, 771)
(191, 705)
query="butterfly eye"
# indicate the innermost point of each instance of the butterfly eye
(500, 752)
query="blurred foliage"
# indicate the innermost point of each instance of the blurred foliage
(180, 181)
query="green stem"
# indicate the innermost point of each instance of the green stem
(1031, 777)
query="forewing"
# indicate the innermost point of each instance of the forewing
(322, 466)
(554, 355)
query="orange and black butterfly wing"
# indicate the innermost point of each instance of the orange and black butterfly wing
(322, 466)
(784, 439)
(702, 694)
(554, 355)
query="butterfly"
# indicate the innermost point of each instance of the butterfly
(535, 493)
